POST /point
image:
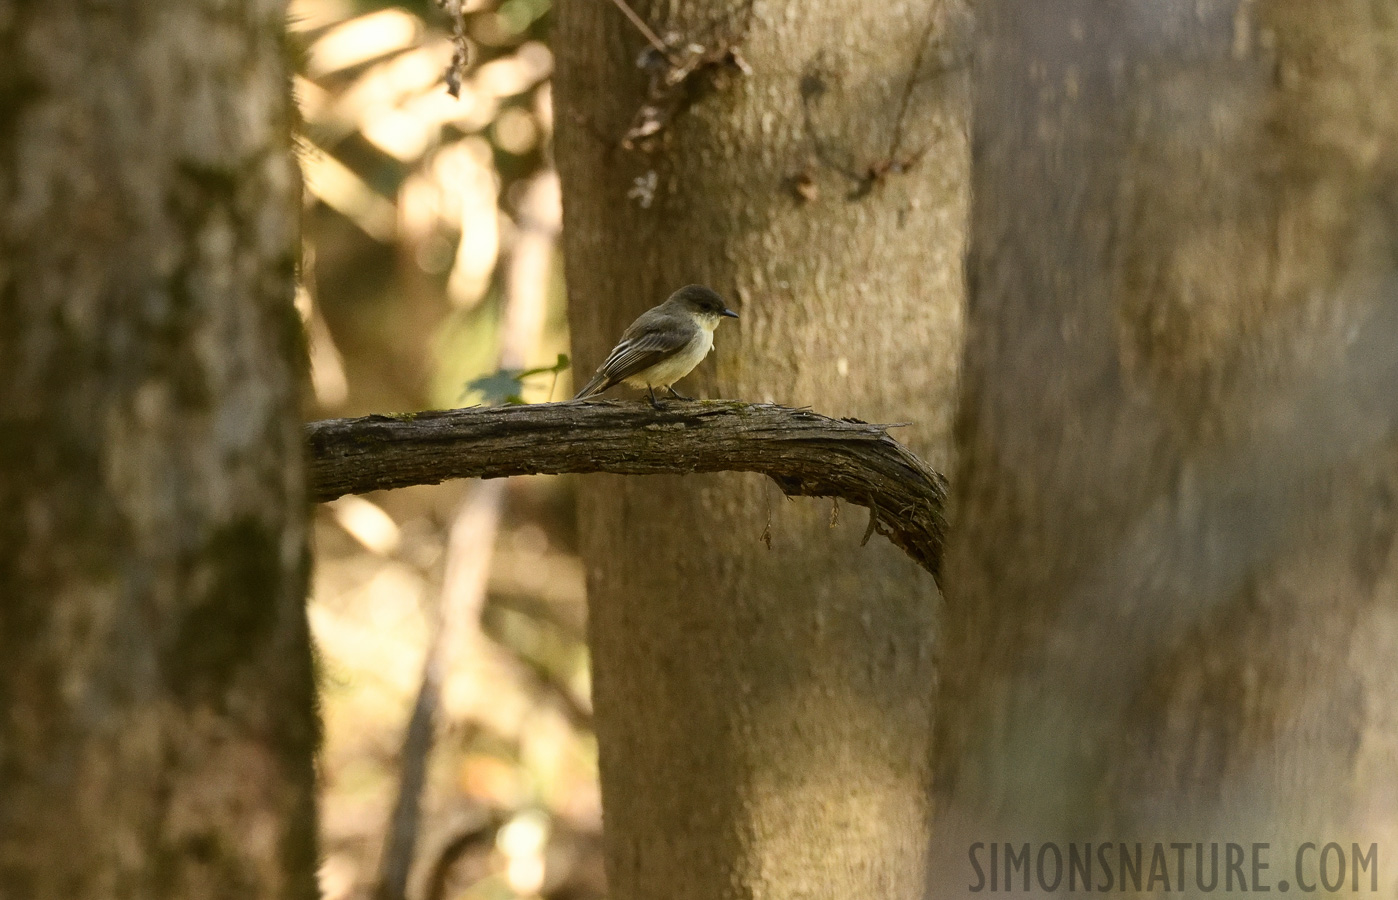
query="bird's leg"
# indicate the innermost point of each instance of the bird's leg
(676, 394)
(655, 404)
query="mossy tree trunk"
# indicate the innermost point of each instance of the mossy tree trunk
(1172, 586)
(764, 713)
(156, 715)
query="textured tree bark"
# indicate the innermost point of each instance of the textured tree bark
(156, 716)
(804, 453)
(1172, 589)
(763, 714)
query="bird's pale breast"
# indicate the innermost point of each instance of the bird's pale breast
(668, 371)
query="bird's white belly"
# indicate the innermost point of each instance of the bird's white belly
(669, 371)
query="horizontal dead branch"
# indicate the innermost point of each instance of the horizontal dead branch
(806, 454)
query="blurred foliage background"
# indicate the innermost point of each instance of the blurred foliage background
(448, 620)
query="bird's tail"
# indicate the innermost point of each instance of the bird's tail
(597, 385)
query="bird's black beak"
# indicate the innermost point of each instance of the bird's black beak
(729, 313)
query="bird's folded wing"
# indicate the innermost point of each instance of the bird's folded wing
(642, 348)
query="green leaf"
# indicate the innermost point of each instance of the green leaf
(496, 388)
(506, 385)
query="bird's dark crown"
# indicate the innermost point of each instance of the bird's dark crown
(701, 300)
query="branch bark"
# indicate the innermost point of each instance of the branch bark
(805, 453)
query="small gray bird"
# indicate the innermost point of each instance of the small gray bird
(663, 345)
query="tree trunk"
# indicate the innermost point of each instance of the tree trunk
(764, 713)
(156, 717)
(1172, 602)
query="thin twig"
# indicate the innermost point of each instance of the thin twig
(813, 87)
(909, 87)
(644, 29)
